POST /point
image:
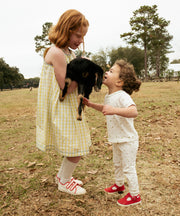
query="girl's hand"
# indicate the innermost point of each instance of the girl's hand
(85, 57)
(108, 110)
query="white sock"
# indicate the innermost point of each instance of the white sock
(119, 184)
(66, 170)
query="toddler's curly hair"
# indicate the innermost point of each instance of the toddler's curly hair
(128, 76)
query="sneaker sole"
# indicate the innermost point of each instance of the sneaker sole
(119, 192)
(65, 191)
(129, 204)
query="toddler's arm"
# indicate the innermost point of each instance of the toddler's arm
(95, 106)
(127, 112)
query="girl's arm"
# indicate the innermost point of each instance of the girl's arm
(98, 107)
(129, 112)
(56, 58)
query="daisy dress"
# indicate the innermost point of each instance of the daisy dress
(56, 124)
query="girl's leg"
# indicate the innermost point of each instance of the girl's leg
(129, 152)
(119, 176)
(65, 181)
(67, 168)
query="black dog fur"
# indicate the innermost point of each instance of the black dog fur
(87, 74)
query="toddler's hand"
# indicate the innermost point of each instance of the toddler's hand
(108, 110)
(86, 101)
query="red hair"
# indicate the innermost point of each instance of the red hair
(68, 22)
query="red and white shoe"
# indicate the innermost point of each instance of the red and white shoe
(79, 182)
(115, 188)
(71, 187)
(129, 200)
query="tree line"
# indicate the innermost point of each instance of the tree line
(148, 44)
(11, 78)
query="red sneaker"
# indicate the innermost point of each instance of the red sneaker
(129, 200)
(115, 188)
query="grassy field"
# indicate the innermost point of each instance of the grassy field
(27, 184)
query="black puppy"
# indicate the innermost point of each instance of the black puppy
(87, 74)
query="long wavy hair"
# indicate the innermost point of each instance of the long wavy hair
(69, 21)
(128, 76)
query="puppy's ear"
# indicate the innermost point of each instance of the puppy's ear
(98, 82)
(95, 84)
(100, 78)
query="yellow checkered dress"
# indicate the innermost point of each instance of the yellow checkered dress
(56, 124)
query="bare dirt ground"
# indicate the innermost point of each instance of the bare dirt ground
(27, 185)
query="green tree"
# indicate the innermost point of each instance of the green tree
(18, 81)
(133, 55)
(3, 67)
(101, 58)
(1, 80)
(32, 82)
(144, 23)
(159, 46)
(79, 53)
(176, 61)
(9, 76)
(178, 75)
(42, 41)
(169, 74)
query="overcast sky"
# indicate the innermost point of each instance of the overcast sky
(21, 21)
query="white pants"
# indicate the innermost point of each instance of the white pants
(124, 158)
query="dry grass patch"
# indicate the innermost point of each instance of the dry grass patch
(27, 184)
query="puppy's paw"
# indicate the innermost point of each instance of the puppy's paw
(61, 98)
(79, 118)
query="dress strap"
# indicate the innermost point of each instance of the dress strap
(69, 57)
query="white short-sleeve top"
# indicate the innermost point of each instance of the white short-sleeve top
(120, 129)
